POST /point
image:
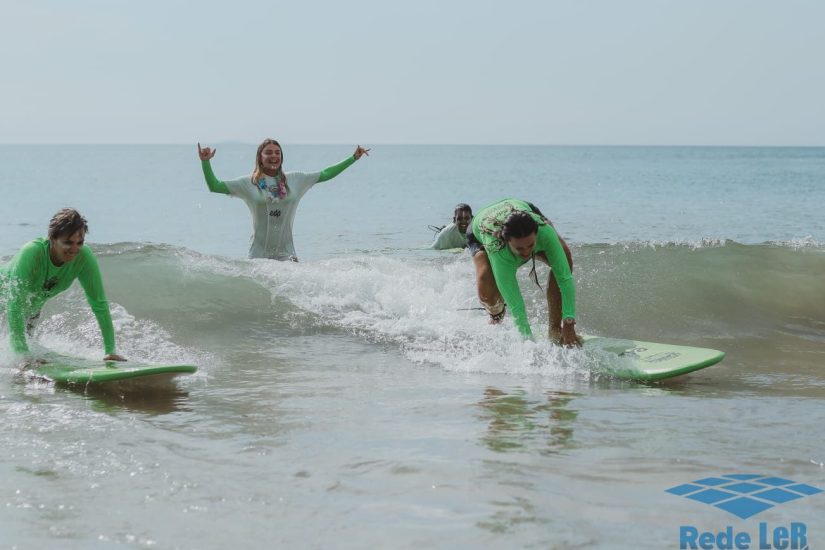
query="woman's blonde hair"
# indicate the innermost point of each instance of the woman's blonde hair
(258, 172)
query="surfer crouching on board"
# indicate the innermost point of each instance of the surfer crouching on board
(42, 269)
(271, 195)
(503, 237)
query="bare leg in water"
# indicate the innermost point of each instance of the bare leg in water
(488, 293)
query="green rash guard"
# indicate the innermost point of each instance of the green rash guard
(30, 279)
(486, 226)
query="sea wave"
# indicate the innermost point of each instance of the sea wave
(166, 298)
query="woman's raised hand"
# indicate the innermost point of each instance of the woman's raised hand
(359, 152)
(206, 153)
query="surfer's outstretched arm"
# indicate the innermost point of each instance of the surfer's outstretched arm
(213, 183)
(562, 307)
(21, 273)
(92, 283)
(332, 171)
(507, 284)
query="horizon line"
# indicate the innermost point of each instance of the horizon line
(398, 144)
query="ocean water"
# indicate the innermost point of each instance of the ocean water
(355, 400)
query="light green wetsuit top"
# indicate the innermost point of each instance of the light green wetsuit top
(272, 216)
(486, 226)
(449, 237)
(30, 279)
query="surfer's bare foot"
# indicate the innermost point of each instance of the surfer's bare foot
(114, 357)
(496, 318)
(500, 308)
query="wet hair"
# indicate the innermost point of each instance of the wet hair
(461, 207)
(258, 173)
(536, 210)
(517, 225)
(66, 223)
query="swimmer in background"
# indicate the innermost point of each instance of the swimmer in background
(454, 235)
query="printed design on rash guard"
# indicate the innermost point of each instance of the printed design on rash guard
(492, 223)
(276, 192)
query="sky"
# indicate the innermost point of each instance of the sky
(573, 72)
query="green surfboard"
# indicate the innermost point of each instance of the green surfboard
(69, 370)
(650, 361)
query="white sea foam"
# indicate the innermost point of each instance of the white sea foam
(427, 308)
(73, 330)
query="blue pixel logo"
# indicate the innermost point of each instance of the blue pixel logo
(744, 495)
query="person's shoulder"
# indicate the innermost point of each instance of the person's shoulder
(29, 256)
(441, 240)
(301, 182)
(302, 177)
(34, 247)
(546, 235)
(39, 242)
(519, 204)
(545, 229)
(86, 256)
(239, 184)
(498, 205)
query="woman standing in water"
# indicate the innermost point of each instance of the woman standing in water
(272, 196)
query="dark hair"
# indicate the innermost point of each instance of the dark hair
(517, 225)
(461, 207)
(67, 222)
(536, 210)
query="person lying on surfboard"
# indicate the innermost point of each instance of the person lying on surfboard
(454, 235)
(271, 195)
(42, 269)
(503, 237)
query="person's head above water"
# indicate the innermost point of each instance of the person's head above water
(519, 232)
(67, 232)
(269, 159)
(462, 215)
(67, 221)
